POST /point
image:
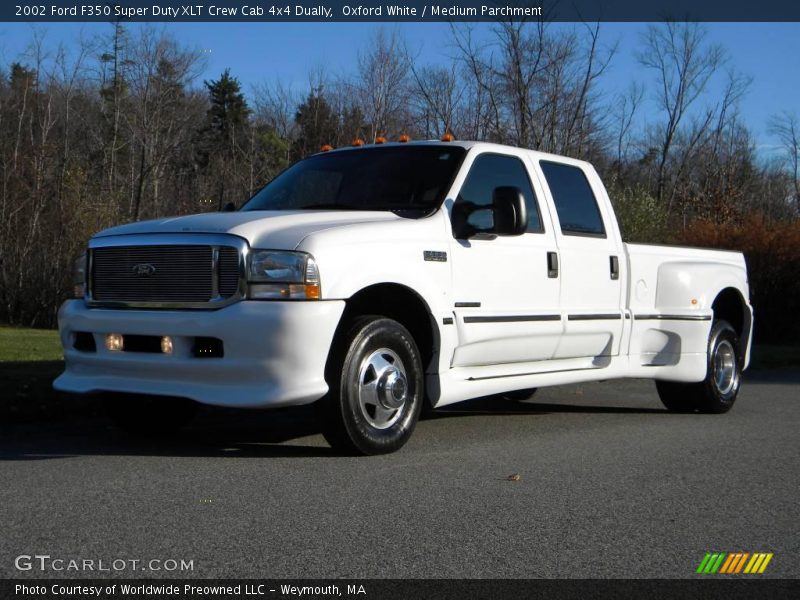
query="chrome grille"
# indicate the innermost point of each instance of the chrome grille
(163, 274)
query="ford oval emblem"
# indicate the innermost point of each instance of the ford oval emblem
(143, 270)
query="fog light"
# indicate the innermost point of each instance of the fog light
(166, 344)
(114, 342)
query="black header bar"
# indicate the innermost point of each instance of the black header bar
(277, 11)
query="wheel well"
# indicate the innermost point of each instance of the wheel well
(729, 305)
(402, 304)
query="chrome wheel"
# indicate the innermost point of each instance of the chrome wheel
(724, 367)
(382, 388)
(377, 387)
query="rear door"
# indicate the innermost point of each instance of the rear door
(590, 256)
(506, 306)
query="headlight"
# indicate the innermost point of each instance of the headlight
(276, 275)
(79, 276)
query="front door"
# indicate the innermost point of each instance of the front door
(506, 300)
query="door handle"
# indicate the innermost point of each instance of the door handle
(552, 265)
(614, 261)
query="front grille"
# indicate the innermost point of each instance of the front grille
(163, 274)
(228, 271)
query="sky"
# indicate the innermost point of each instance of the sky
(263, 52)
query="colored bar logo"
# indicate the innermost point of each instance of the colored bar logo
(733, 563)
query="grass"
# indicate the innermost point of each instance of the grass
(34, 345)
(30, 359)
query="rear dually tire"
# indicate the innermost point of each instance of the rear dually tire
(718, 391)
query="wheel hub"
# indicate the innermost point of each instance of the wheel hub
(725, 372)
(392, 388)
(382, 388)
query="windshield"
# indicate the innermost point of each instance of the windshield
(388, 178)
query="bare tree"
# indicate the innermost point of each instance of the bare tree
(787, 129)
(275, 106)
(382, 83)
(481, 111)
(536, 87)
(436, 98)
(625, 109)
(684, 63)
(158, 121)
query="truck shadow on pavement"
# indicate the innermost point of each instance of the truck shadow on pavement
(491, 405)
(213, 433)
(230, 433)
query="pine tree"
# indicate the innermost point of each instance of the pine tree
(228, 114)
(225, 136)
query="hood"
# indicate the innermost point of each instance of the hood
(283, 230)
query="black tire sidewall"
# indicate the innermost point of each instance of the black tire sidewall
(519, 395)
(716, 401)
(372, 335)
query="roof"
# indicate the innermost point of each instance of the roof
(466, 144)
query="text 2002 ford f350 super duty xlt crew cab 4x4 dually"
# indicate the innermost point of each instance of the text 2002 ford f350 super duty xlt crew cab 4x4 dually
(373, 279)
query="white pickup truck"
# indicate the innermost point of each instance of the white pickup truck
(374, 279)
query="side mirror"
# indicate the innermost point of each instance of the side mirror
(506, 215)
(471, 220)
(510, 213)
(229, 207)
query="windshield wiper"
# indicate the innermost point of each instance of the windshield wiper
(331, 205)
(334, 206)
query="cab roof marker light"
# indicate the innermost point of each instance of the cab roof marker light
(448, 137)
(326, 148)
(380, 140)
(404, 138)
(357, 142)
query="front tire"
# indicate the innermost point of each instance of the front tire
(376, 388)
(718, 391)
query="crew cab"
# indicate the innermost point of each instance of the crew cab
(373, 280)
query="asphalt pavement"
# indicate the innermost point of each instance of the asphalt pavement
(580, 481)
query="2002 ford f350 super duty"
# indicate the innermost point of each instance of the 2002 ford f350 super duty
(374, 279)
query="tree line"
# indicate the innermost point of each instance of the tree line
(124, 128)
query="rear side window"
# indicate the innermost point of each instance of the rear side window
(495, 170)
(575, 202)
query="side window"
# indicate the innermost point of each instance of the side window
(575, 202)
(494, 170)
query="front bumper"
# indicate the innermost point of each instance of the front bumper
(274, 352)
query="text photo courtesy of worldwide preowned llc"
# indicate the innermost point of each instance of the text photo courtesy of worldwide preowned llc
(395, 300)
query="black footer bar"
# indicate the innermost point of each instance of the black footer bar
(405, 589)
